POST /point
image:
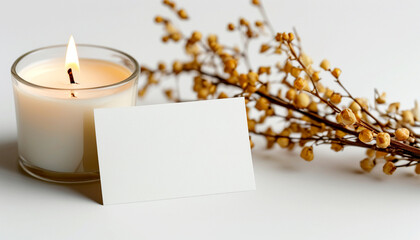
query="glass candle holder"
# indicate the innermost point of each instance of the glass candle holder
(55, 122)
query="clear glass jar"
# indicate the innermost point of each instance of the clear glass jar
(56, 132)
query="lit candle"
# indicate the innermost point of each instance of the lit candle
(55, 98)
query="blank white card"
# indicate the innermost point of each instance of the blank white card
(173, 150)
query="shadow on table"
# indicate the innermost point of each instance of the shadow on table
(328, 164)
(8, 156)
(9, 163)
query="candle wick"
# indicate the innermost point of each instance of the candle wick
(70, 72)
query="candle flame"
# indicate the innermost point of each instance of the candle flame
(72, 60)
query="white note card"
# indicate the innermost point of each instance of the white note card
(173, 150)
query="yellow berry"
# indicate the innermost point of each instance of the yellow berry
(270, 139)
(251, 124)
(285, 36)
(370, 153)
(336, 147)
(212, 89)
(243, 80)
(286, 132)
(230, 65)
(367, 164)
(402, 134)
(177, 67)
(408, 117)
(262, 70)
(321, 88)
(307, 153)
(328, 93)
(335, 98)
(366, 136)
(269, 112)
(383, 140)
(381, 99)
(389, 168)
(203, 93)
(302, 100)
(364, 103)
(300, 83)
(316, 77)
(287, 67)
(264, 48)
(251, 89)
(243, 22)
(355, 107)
(325, 64)
(339, 118)
(313, 107)
(252, 77)
(161, 66)
(348, 117)
(168, 93)
(158, 19)
(296, 72)
(306, 60)
(264, 88)
(279, 37)
(291, 94)
(417, 169)
(393, 107)
(336, 72)
(196, 36)
(262, 104)
(294, 127)
(182, 14)
(283, 142)
(176, 36)
(223, 95)
(165, 38)
(340, 134)
(291, 37)
(233, 79)
(231, 27)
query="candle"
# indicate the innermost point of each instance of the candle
(55, 98)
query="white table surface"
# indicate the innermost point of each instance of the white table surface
(376, 43)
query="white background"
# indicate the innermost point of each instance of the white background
(376, 44)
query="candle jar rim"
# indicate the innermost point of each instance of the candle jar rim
(132, 76)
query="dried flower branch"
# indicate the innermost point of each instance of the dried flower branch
(292, 90)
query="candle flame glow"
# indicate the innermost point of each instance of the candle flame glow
(72, 60)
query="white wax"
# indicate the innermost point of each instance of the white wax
(55, 127)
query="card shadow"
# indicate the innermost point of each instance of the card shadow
(90, 190)
(9, 163)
